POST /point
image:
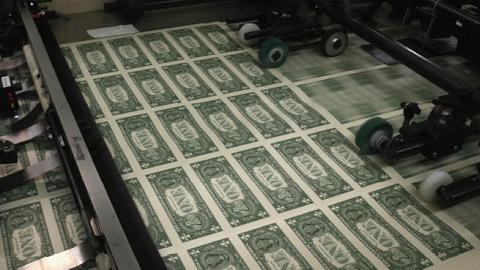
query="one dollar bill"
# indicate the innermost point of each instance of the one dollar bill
(441, 239)
(236, 201)
(186, 209)
(327, 243)
(362, 170)
(25, 235)
(272, 249)
(381, 238)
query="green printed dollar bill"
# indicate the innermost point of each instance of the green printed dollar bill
(223, 77)
(312, 64)
(153, 87)
(219, 38)
(96, 58)
(260, 115)
(7, 169)
(27, 189)
(173, 262)
(56, 178)
(185, 207)
(442, 240)
(237, 203)
(117, 94)
(378, 236)
(114, 147)
(154, 227)
(280, 189)
(190, 43)
(272, 249)
(160, 47)
(129, 53)
(369, 93)
(72, 62)
(90, 99)
(187, 134)
(188, 81)
(302, 114)
(312, 168)
(25, 235)
(217, 255)
(146, 143)
(5, 126)
(222, 121)
(327, 243)
(68, 219)
(360, 168)
(251, 69)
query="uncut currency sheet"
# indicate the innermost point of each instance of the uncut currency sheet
(233, 166)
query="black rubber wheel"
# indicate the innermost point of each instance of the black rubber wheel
(273, 53)
(334, 41)
(363, 138)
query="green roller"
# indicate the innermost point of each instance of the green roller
(273, 53)
(364, 137)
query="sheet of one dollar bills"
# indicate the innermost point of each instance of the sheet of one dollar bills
(233, 166)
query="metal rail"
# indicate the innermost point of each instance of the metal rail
(116, 240)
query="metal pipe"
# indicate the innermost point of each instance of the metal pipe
(447, 81)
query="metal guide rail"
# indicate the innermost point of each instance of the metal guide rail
(101, 195)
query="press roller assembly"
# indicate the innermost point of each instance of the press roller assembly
(449, 123)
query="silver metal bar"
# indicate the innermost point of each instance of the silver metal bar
(64, 260)
(26, 134)
(22, 176)
(116, 240)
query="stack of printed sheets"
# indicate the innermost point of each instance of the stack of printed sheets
(237, 167)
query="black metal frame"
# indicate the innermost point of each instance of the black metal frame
(440, 19)
(447, 126)
(101, 194)
(133, 10)
(287, 24)
(298, 24)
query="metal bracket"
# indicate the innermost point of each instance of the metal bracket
(64, 260)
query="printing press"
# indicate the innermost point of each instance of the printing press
(313, 134)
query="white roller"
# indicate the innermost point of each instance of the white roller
(247, 28)
(428, 188)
